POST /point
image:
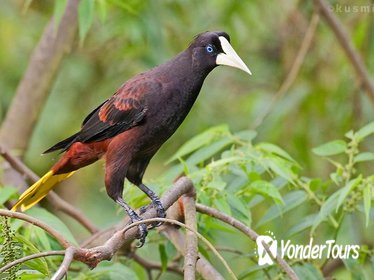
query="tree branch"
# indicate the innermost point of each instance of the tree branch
(31, 257)
(54, 200)
(64, 267)
(249, 232)
(64, 243)
(124, 236)
(344, 40)
(191, 251)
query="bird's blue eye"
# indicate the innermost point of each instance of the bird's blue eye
(209, 48)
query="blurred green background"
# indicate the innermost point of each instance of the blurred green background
(128, 37)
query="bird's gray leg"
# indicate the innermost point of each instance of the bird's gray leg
(155, 202)
(134, 218)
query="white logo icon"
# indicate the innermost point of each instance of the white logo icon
(263, 256)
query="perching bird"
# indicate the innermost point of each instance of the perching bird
(129, 127)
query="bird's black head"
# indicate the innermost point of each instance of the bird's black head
(210, 49)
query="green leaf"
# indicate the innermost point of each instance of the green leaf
(266, 189)
(268, 147)
(282, 168)
(235, 202)
(291, 201)
(224, 161)
(208, 152)
(85, 17)
(367, 201)
(302, 225)
(42, 237)
(7, 193)
(38, 264)
(112, 270)
(355, 268)
(199, 141)
(331, 148)
(346, 190)
(327, 208)
(365, 131)
(246, 135)
(222, 205)
(217, 184)
(58, 12)
(52, 221)
(308, 271)
(366, 156)
(29, 274)
(163, 257)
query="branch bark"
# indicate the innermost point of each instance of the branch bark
(347, 45)
(191, 250)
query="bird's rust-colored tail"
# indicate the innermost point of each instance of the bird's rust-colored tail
(39, 190)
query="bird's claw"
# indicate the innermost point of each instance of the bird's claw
(143, 232)
(143, 209)
(160, 212)
(142, 235)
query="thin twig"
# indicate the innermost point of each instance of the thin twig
(57, 202)
(249, 232)
(64, 267)
(347, 45)
(292, 74)
(191, 251)
(21, 216)
(31, 257)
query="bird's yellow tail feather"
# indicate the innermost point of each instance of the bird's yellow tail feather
(39, 190)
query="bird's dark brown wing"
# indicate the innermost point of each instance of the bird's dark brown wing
(124, 110)
(116, 115)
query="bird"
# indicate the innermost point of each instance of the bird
(127, 129)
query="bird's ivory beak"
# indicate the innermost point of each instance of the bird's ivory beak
(230, 57)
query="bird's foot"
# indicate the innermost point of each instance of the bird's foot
(134, 218)
(160, 209)
(143, 231)
(156, 203)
